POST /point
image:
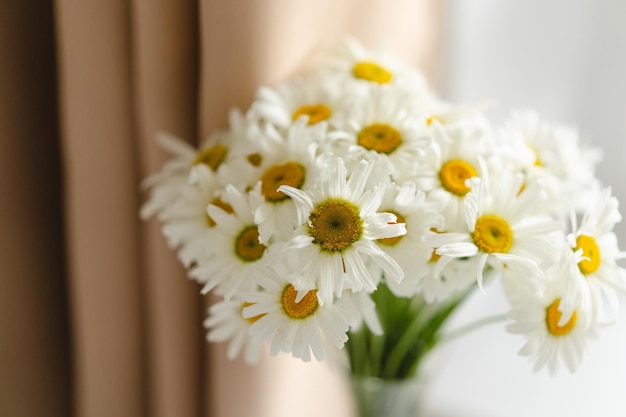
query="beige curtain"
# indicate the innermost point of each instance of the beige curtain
(96, 315)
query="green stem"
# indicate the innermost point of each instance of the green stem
(468, 328)
(398, 353)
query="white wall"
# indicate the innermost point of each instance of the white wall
(567, 60)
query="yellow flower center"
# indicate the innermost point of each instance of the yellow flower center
(379, 137)
(434, 256)
(221, 204)
(291, 173)
(247, 245)
(493, 234)
(432, 119)
(591, 251)
(390, 241)
(553, 316)
(453, 175)
(537, 162)
(212, 156)
(255, 318)
(370, 71)
(316, 113)
(305, 308)
(255, 159)
(335, 225)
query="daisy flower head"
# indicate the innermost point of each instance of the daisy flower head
(218, 148)
(381, 126)
(355, 65)
(597, 279)
(225, 323)
(288, 158)
(502, 229)
(295, 322)
(236, 258)
(420, 216)
(457, 156)
(340, 223)
(557, 156)
(165, 184)
(186, 223)
(550, 340)
(315, 98)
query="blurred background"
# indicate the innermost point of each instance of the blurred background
(96, 316)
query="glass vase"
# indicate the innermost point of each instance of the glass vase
(377, 397)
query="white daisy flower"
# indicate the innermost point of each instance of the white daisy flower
(217, 149)
(186, 222)
(226, 323)
(458, 156)
(354, 64)
(410, 207)
(288, 159)
(314, 98)
(558, 157)
(501, 230)
(235, 261)
(596, 280)
(295, 323)
(165, 184)
(340, 223)
(550, 340)
(381, 126)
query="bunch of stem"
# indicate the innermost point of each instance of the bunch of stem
(411, 328)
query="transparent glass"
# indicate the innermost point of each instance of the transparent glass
(376, 397)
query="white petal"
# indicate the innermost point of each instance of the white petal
(436, 240)
(358, 179)
(458, 250)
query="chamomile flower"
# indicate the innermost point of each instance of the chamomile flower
(501, 228)
(558, 157)
(340, 223)
(410, 207)
(353, 64)
(596, 279)
(458, 156)
(217, 149)
(226, 323)
(287, 159)
(235, 261)
(165, 184)
(295, 323)
(186, 222)
(538, 317)
(313, 97)
(382, 127)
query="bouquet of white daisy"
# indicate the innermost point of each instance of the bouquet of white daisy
(350, 210)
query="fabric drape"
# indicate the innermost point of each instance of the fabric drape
(97, 316)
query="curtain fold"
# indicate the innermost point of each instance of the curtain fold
(102, 226)
(97, 315)
(165, 67)
(35, 365)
